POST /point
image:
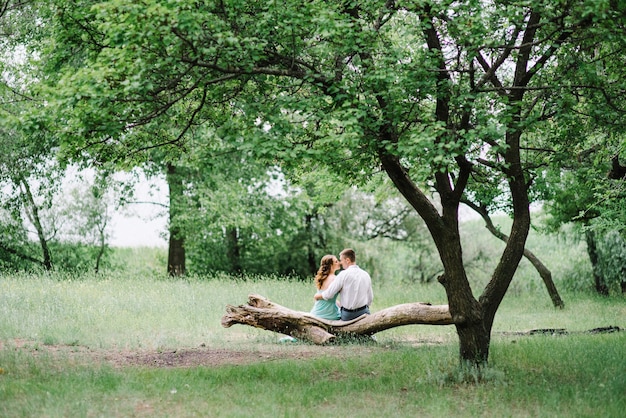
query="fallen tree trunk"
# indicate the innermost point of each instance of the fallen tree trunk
(265, 314)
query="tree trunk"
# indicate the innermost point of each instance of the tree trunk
(465, 310)
(262, 313)
(233, 250)
(176, 254)
(176, 247)
(102, 238)
(474, 343)
(311, 257)
(468, 313)
(101, 249)
(32, 211)
(592, 250)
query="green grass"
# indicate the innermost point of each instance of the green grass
(140, 312)
(411, 371)
(536, 377)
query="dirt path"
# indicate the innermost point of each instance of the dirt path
(183, 357)
(190, 357)
(213, 357)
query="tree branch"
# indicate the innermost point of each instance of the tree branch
(20, 254)
(543, 271)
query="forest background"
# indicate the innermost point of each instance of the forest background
(285, 133)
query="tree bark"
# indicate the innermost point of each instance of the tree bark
(618, 171)
(262, 313)
(32, 211)
(101, 247)
(600, 285)
(233, 250)
(176, 248)
(311, 256)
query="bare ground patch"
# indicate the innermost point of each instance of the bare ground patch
(182, 357)
(214, 357)
(191, 357)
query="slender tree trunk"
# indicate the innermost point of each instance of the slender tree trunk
(311, 258)
(592, 250)
(32, 211)
(101, 239)
(176, 248)
(234, 250)
(176, 254)
(546, 276)
(101, 249)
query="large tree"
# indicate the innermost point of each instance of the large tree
(439, 94)
(28, 177)
(584, 146)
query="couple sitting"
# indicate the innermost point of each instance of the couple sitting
(353, 286)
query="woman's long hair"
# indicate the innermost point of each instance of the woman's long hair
(325, 270)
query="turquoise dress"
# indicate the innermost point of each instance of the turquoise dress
(326, 309)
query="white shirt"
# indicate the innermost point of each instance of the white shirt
(354, 286)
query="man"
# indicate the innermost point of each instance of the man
(354, 286)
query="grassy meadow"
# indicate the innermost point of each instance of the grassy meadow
(60, 336)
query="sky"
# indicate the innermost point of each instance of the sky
(142, 228)
(142, 224)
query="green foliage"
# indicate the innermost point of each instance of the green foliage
(612, 260)
(311, 79)
(13, 244)
(68, 257)
(78, 257)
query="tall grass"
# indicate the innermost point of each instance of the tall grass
(410, 371)
(142, 312)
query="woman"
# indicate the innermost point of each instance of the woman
(326, 309)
